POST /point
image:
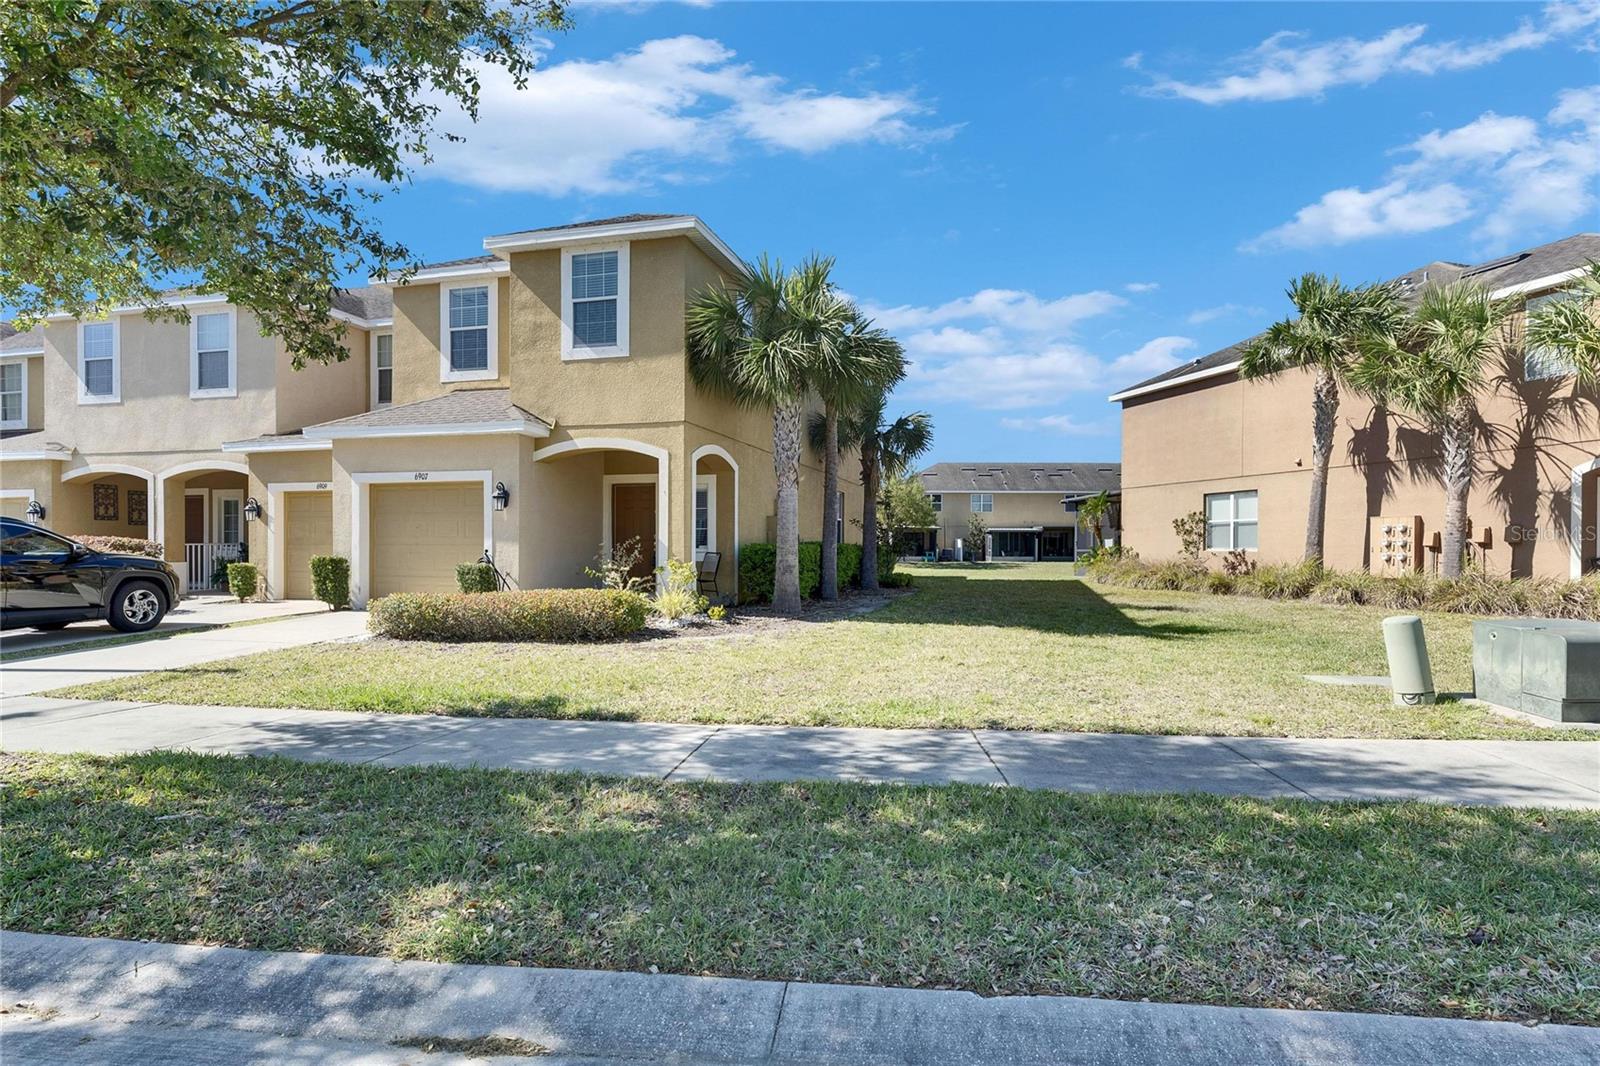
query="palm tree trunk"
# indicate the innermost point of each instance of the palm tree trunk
(830, 503)
(786, 466)
(869, 514)
(1324, 416)
(1457, 439)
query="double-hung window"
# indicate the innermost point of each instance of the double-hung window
(213, 363)
(594, 303)
(1546, 362)
(983, 502)
(467, 341)
(1231, 521)
(382, 369)
(937, 499)
(14, 394)
(99, 372)
(705, 514)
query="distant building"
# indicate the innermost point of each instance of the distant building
(1029, 510)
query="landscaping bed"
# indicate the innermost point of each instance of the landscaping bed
(1402, 908)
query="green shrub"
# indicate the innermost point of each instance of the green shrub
(1220, 584)
(849, 565)
(243, 579)
(897, 580)
(758, 565)
(677, 591)
(810, 568)
(121, 545)
(1408, 592)
(477, 577)
(330, 580)
(887, 559)
(1358, 587)
(564, 615)
(1284, 581)
(718, 613)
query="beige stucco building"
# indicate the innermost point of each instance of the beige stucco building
(1198, 438)
(1029, 511)
(533, 403)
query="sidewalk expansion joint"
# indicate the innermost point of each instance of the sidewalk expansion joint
(777, 1023)
(1268, 770)
(690, 754)
(979, 741)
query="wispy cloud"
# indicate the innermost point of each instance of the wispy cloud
(1142, 286)
(661, 114)
(1228, 310)
(1286, 66)
(1065, 425)
(1508, 172)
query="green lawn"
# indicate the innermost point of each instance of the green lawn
(1406, 908)
(1011, 647)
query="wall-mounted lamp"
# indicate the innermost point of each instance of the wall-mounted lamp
(501, 496)
(252, 510)
(35, 511)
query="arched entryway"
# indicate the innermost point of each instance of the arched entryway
(202, 520)
(1585, 515)
(594, 494)
(107, 500)
(713, 519)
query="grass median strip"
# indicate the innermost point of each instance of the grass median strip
(1011, 647)
(1385, 907)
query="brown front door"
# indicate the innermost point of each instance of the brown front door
(194, 519)
(633, 517)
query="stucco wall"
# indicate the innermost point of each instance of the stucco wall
(40, 476)
(321, 392)
(1011, 510)
(416, 339)
(267, 469)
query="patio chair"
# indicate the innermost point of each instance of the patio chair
(707, 584)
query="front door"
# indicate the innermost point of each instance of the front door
(194, 519)
(633, 517)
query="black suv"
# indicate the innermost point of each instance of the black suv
(48, 581)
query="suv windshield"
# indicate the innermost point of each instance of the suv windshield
(18, 538)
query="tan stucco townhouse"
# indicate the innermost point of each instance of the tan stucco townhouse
(1199, 438)
(533, 403)
(1029, 510)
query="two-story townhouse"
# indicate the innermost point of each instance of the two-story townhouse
(1029, 510)
(1200, 438)
(533, 404)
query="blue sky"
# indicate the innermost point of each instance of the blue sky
(1047, 203)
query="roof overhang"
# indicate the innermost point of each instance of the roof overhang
(251, 447)
(177, 300)
(364, 323)
(21, 353)
(50, 452)
(444, 273)
(1170, 383)
(520, 427)
(689, 226)
(1549, 281)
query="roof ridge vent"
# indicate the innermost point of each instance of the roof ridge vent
(1495, 264)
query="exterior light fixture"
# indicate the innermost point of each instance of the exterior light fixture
(501, 496)
(252, 510)
(35, 511)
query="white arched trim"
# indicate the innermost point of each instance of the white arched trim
(694, 472)
(623, 444)
(226, 466)
(152, 507)
(158, 506)
(1575, 530)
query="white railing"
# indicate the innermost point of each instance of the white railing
(201, 562)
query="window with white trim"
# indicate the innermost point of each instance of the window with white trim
(14, 395)
(469, 328)
(983, 502)
(1231, 521)
(937, 499)
(1546, 362)
(594, 302)
(382, 369)
(705, 514)
(213, 359)
(99, 376)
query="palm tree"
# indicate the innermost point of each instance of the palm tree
(1094, 511)
(1434, 366)
(863, 362)
(1325, 339)
(1572, 325)
(887, 450)
(761, 342)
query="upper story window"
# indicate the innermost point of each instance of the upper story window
(99, 362)
(594, 302)
(1231, 521)
(1546, 362)
(983, 502)
(468, 342)
(382, 369)
(937, 499)
(213, 361)
(14, 395)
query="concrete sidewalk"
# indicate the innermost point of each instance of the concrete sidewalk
(196, 612)
(73, 1000)
(171, 652)
(1544, 773)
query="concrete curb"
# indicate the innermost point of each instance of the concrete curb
(146, 1003)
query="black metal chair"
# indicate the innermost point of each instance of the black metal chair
(709, 562)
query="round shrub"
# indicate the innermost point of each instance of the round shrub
(758, 567)
(330, 580)
(476, 577)
(560, 615)
(243, 578)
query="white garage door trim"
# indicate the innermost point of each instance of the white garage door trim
(361, 511)
(277, 509)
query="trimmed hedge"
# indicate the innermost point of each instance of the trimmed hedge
(243, 580)
(330, 580)
(564, 615)
(849, 565)
(121, 545)
(758, 564)
(476, 577)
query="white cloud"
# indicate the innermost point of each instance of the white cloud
(1142, 286)
(1507, 172)
(1063, 424)
(1016, 310)
(1228, 310)
(1286, 67)
(654, 115)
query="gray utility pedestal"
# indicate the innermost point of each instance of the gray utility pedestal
(1544, 666)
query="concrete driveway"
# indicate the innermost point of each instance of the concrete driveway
(195, 612)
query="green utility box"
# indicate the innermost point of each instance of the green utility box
(1544, 666)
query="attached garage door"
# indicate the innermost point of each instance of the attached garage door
(308, 531)
(14, 507)
(420, 533)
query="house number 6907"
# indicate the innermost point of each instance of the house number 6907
(419, 476)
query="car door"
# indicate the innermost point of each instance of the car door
(40, 571)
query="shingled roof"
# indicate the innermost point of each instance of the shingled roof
(1501, 272)
(463, 410)
(1070, 479)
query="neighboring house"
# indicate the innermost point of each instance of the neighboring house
(1198, 438)
(1029, 510)
(533, 403)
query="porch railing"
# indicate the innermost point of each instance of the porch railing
(200, 562)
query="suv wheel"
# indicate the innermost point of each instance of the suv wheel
(136, 607)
